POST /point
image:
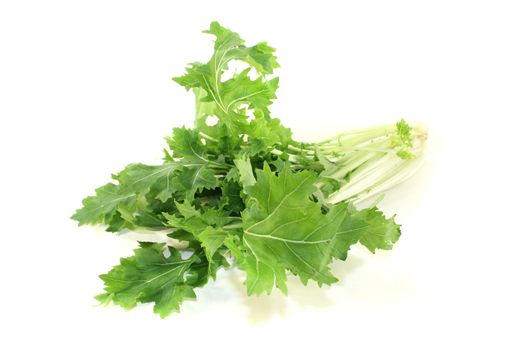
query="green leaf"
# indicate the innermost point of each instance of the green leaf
(403, 139)
(195, 222)
(196, 179)
(260, 277)
(194, 225)
(265, 134)
(182, 235)
(404, 132)
(257, 94)
(126, 205)
(217, 217)
(187, 210)
(185, 144)
(138, 218)
(232, 175)
(141, 179)
(227, 99)
(150, 276)
(261, 56)
(285, 229)
(212, 239)
(245, 170)
(372, 229)
(231, 197)
(102, 207)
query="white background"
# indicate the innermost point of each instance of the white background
(85, 88)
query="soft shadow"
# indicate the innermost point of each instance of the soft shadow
(342, 269)
(265, 307)
(260, 308)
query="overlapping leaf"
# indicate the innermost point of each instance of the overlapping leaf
(236, 188)
(155, 274)
(227, 99)
(285, 229)
(102, 207)
(141, 178)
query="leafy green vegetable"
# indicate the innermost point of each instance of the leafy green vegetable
(238, 190)
(154, 274)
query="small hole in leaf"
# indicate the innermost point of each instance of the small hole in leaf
(250, 115)
(253, 74)
(212, 120)
(186, 254)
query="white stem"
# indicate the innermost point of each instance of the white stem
(373, 173)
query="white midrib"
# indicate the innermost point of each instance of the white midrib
(256, 265)
(213, 94)
(286, 240)
(316, 271)
(110, 202)
(198, 155)
(195, 177)
(164, 168)
(168, 178)
(154, 278)
(244, 97)
(217, 74)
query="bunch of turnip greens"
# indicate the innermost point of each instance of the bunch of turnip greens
(238, 190)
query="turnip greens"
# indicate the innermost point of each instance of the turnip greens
(237, 190)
